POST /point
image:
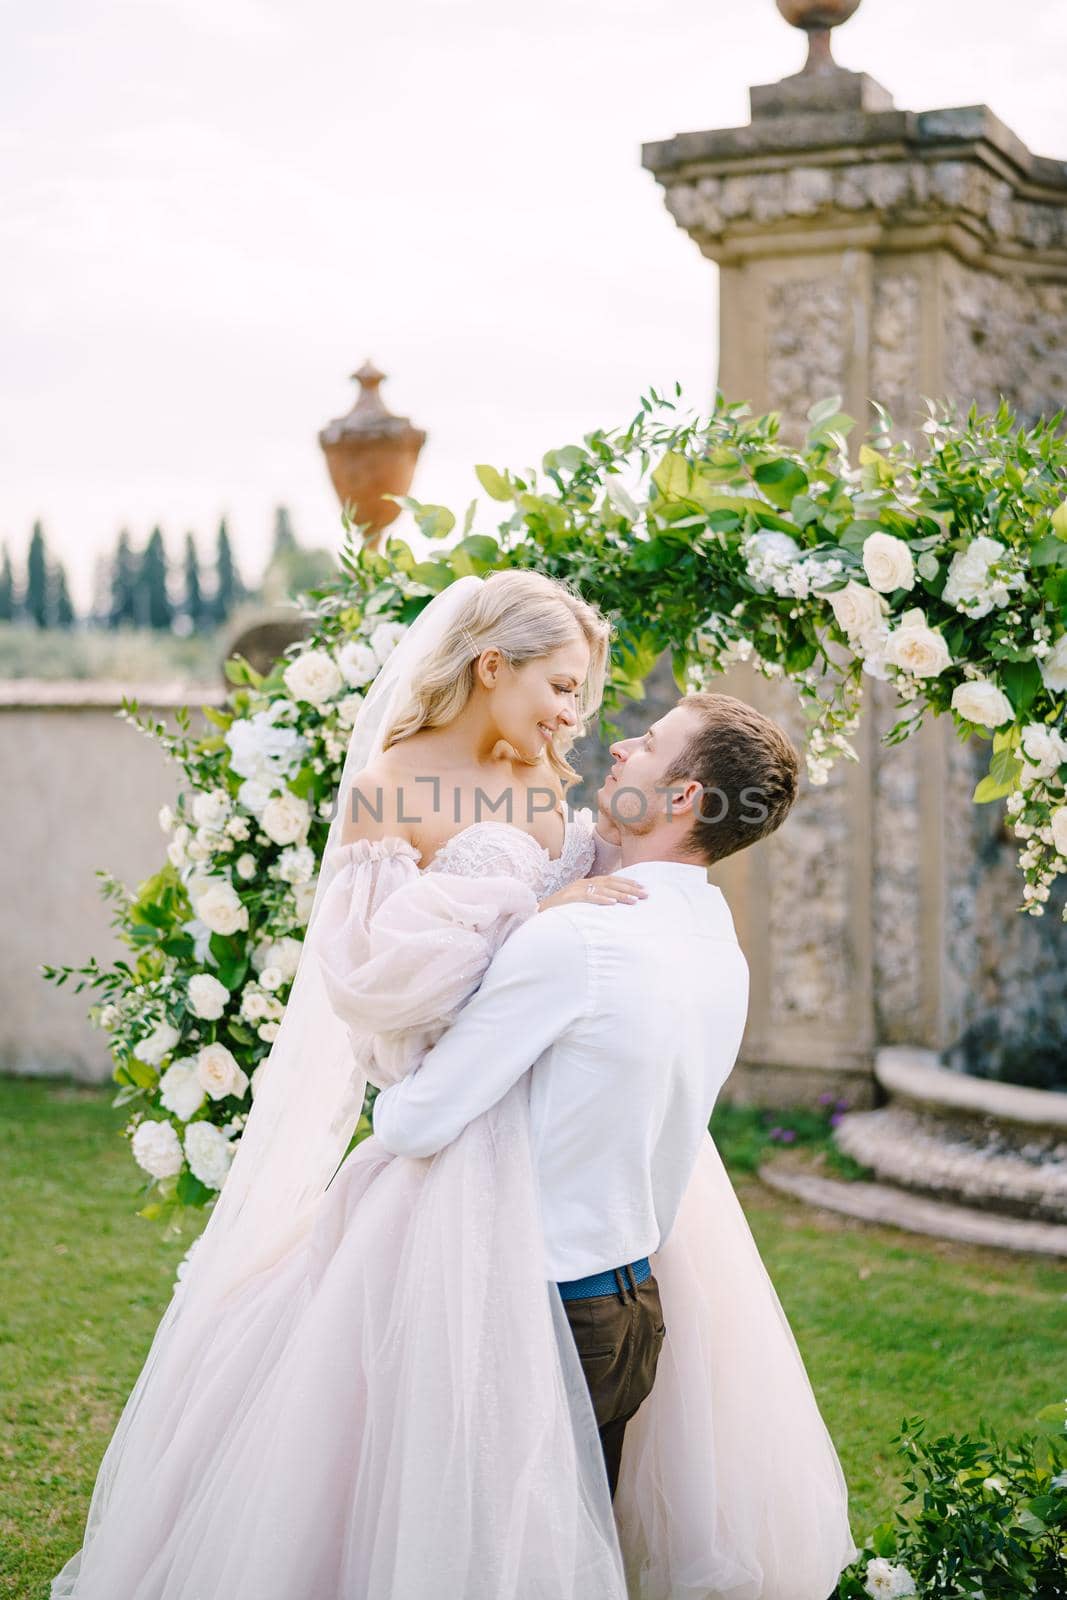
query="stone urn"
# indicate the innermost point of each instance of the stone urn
(371, 453)
(817, 17)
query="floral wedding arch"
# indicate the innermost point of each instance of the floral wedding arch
(942, 571)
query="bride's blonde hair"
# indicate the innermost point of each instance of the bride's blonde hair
(525, 616)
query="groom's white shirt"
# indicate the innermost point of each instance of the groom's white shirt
(630, 1018)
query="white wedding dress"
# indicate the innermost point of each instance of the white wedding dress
(393, 1409)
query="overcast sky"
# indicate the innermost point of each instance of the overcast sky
(215, 209)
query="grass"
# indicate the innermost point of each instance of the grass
(889, 1324)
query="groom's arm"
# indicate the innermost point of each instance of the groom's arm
(535, 988)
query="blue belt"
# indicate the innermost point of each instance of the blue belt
(614, 1281)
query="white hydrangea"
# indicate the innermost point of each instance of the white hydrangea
(297, 864)
(262, 745)
(888, 563)
(157, 1149)
(969, 586)
(385, 638)
(211, 808)
(886, 1581)
(219, 907)
(358, 664)
(208, 1152)
(246, 866)
(207, 996)
(313, 676)
(981, 701)
(219, 1073)
(285, 818)
(917, 648)
(180, 1089)
(158, 1044)
(1053, 667)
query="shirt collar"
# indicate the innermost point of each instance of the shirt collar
(681, 872)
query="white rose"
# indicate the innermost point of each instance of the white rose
(348, 709)
(884, 1581)
(255, 1006)
(157, 1045)
(982, 702)
(967, 585)
(314, 677)
(857, 608)
(197, 849)
(268, 1031)
(157, 1149)
(166, 818)
(281, 953)
(917, 648)
(271, 978)
(176, 853)
(358, 664)
(1054, 667)
(180, 1089)
(1058, 823)
(210, 810)
(285, 818)
(208, 1152)
(303, 900)
(207, 996)
(219, 907)
(255, 793)
(257, 1078)
(246, 866)
(1045, 748)
(219, 1073)
(297, 865)
(888, 563)
(871, 646)
(385, 638)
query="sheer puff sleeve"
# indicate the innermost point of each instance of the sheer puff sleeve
(402, 950)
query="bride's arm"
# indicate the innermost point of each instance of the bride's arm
(536, 988)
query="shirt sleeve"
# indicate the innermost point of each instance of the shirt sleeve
(535, 989)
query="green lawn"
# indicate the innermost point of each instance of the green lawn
(889, 1324)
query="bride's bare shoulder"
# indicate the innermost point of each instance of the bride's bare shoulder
(373, 808)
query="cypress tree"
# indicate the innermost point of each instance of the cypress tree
(8, 598)
(123, 584)
(36, 602)
(285, 541)
(154, 605)
(193, 603)
(61, 605)
(229, 589)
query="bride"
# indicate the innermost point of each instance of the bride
(364, 1388)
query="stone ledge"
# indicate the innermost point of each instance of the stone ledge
(915, 1077)
(893, 1208)
(77, 694)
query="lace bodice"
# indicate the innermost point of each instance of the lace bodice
(496, 849)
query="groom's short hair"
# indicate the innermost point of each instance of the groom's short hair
(748, 771)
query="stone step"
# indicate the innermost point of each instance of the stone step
(919, 1151)
(897, 1208)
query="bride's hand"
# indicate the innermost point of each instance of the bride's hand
(597, 892)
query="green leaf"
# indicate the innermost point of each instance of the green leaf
(191, 1192)
(672, 477)
(144, 1076)
(1022, 683)
(1051, 551)
(435, 575)
(781, 482)
(1059, 521)
(494, 483)
(1001, 779)
(823, 410)
(480, 547)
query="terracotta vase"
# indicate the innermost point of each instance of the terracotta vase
(371, 453)
(817, 17)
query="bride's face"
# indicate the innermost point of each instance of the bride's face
(530, 702)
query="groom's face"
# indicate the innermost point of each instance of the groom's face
(632, 796)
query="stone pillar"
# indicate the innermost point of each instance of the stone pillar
(888, 255)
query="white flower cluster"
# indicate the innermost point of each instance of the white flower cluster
(982, 576)
(886, 1580)
(775, 563)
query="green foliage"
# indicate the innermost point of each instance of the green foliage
(984, 1517)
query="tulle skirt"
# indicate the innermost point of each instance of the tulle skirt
(394, 1410)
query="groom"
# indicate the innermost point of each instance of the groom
(629, 1021)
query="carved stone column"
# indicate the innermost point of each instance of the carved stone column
(880, 254)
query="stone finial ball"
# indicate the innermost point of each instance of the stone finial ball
(817, 13)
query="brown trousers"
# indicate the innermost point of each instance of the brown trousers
(618, 1338)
